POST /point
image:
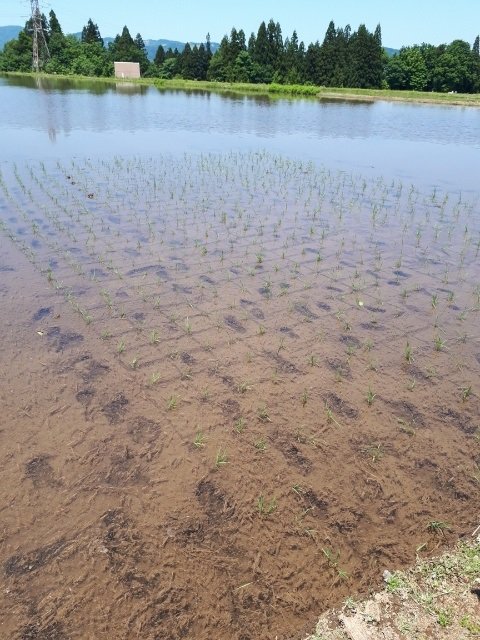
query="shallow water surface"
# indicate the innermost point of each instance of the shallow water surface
(240, 360)
(422, 144)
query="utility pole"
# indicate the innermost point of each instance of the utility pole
(40, 47)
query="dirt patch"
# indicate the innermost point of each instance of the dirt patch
(339, 406)
(324, 306)
(116, 408)
(85, 396)
(350, 341)
(187, 358)
(305, 311)
(36, 631)
(42, 313)
(40, 472)
(233, 323)
(288, 332)
(231, 408)
(213, 500)
(293, 454)
(458, 420)
(61, 340)
(143, 430)
(282, 364)
(18, 565)
(340, 367)
(124, 469)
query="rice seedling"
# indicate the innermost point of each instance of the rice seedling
(304, 398)
(438, 526)
(172, 403)
(466, 392)
(199, 440)
(408, 353)
(374, 451)
(221, 458)
(370, 397)
(239, 425)
(260, 445)
(297, 488)
(263, 414)
(154, 378)
(312, 360)
(154, 337)
(439, 343)
(330, 415)
(266, 506)
(121, 346)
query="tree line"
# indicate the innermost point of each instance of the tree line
(344, 58)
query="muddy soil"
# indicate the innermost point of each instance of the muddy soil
(234, 391)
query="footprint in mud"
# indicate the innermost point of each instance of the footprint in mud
(231, 408)
(36, 631)
(283, 365)
(143, 430)
(288, 332)
(339, 406)
(19, 565)
(214, 501)
(304, 311)
(43, 312)
(85, 397)
(40, 472)
(234, 324)
(116, 408)
(324, 306)
(61, 339)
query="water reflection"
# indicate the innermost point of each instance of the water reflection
(62, 117)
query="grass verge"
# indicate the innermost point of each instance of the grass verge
(436, 599)
(281, 90)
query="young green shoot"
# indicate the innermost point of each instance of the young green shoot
(221, 458)
(266, 507)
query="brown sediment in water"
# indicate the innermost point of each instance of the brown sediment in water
(186, 445)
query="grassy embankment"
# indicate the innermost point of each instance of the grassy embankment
(435, 599)
(279, 90)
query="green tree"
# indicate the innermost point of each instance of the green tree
(159, 56)
(17, 54)
(327, 57)
(53, 23)
(476, 47)
(366, 59)
(56, 43)
(407, 70)
(125, 49)
(91, 33)
(455, 68)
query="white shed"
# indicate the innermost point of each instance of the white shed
(127, 69)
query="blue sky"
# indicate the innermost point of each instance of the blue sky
(404, 22)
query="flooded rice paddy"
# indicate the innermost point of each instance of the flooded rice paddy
(235, 389)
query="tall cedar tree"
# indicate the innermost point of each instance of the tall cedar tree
(91, 33)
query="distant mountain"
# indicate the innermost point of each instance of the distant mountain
(152, 45)
(8, 33)
(390, 52)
